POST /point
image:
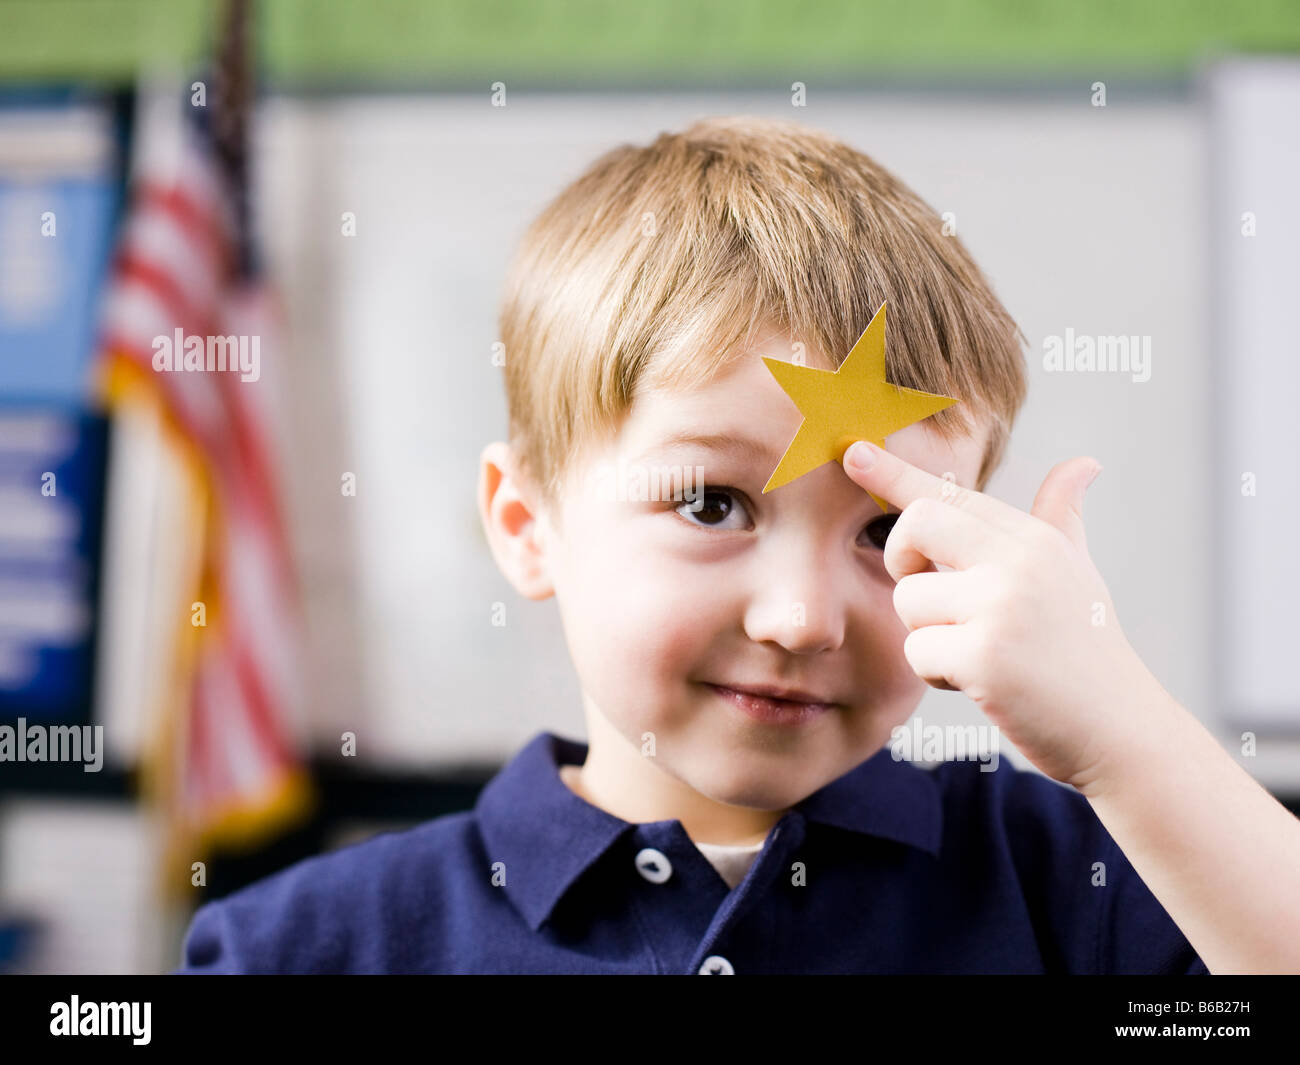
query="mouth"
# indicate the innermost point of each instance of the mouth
(773, 705)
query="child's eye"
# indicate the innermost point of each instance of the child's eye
(717, 508)
(877, 529)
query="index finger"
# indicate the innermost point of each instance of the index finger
(899, 482)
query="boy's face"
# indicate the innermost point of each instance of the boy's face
(664, 601)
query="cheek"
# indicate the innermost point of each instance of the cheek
(635, 617)
(885, 667)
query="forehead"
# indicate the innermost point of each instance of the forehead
(752, 421)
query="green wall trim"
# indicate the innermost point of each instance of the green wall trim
(375, 42)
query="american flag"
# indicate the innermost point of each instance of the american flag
(224, 762)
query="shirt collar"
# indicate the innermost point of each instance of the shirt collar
(547, 836)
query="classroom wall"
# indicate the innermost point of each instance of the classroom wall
(1085, 218)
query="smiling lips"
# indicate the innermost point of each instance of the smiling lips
(773, 705)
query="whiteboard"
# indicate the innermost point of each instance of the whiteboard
(391, 375)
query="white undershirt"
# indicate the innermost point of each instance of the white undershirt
(731, 862)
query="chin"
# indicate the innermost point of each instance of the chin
(756, 792)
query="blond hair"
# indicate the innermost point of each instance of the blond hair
(661, 264)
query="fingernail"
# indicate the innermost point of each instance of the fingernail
(861, 456)
(1094, 475)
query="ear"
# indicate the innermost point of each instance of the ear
(513, 522)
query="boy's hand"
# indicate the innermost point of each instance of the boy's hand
(1024, 624)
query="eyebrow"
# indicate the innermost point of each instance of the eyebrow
(739, 446)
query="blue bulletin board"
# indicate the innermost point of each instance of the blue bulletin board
(60, 193)
(52, 465)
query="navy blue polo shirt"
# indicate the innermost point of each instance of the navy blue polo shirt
(892, 868)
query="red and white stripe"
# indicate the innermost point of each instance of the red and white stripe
(242, 728)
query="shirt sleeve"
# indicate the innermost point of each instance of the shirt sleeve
(281, 923)
(210, 947)
(342, 911)
(1092, 911)
(1135, 934)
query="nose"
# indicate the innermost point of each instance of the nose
(799, 600)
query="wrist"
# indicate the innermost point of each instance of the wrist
(1145, 722)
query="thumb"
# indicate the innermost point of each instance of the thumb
(1060, 498)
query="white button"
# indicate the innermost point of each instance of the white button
(654, 865)
(716, 965)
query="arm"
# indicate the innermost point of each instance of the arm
(1219, 853)
(1024, 625)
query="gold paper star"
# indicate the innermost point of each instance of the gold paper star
(852, 403)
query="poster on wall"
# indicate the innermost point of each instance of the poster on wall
(59, 193)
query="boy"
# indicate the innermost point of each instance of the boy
(745, 656)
